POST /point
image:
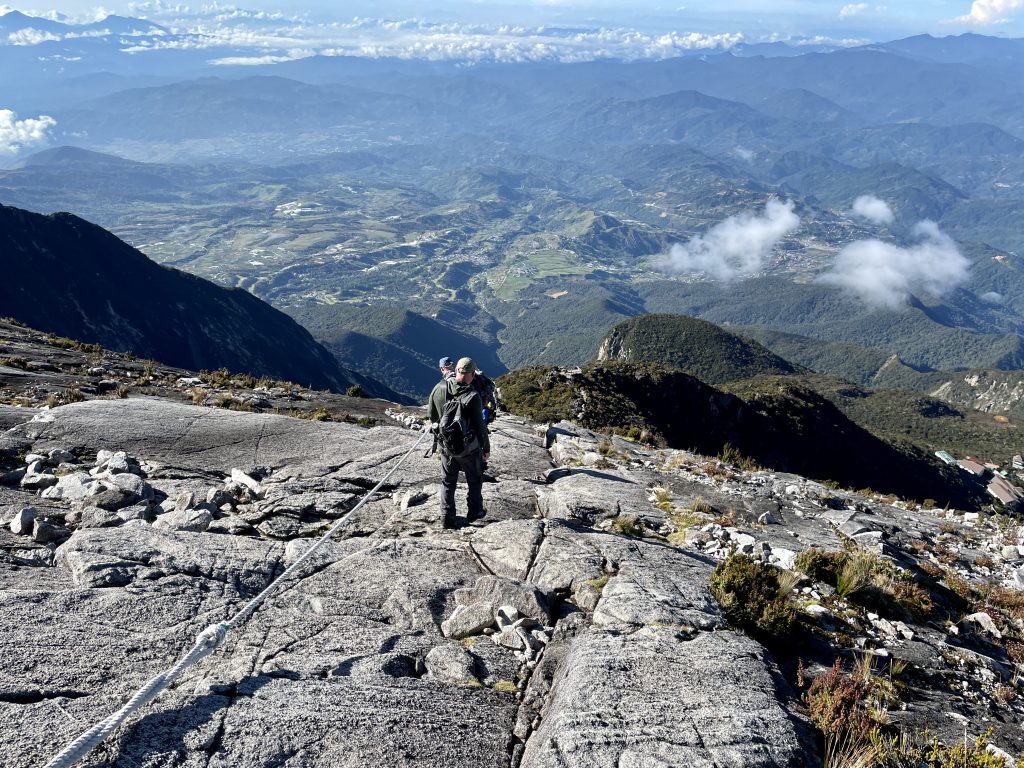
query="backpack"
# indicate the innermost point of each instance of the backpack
(454, 430)
(488, 397)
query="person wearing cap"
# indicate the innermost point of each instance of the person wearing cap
(447, 367)
(472, 466)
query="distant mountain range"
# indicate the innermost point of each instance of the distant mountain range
(394, 345)
(71, 278)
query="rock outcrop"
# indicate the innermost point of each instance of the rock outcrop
(572, 626)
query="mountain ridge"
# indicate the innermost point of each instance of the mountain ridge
(112, 294)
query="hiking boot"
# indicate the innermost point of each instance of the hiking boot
(476, 515)
(448, 523)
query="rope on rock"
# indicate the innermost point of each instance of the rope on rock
(207, 641)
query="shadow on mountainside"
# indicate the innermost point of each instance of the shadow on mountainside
(775, 421)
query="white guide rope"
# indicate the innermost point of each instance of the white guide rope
(206, 642)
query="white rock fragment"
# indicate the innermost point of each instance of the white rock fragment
(22, 522)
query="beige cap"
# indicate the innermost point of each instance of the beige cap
(465, 365)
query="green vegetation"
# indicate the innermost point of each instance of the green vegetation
(922, 750)
(70, 395)
(80, 346)
(599, 583)
(835, 703)
(749, 592)
(628, 526)
(868, 581)
(770, 421)
(520, 273)
(698, 347)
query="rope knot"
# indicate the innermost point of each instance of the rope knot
(212, 636)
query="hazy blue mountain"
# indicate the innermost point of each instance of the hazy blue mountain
(917, 143)
(16, 21)
(805, 106)
(212, 107)
(968, 48)
(911, 194)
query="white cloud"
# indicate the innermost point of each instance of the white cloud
(273, 34)
(737, 246)
(884, 275)
(991, 297)
(985, 12)
(18, 134)
(30, 36)
(871, 208)
(243, 61)
(852, 10)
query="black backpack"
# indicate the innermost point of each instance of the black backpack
(454, 430)
(488, 397)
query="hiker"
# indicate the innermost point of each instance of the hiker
(456, 416)
(447, 367)
(483, 386)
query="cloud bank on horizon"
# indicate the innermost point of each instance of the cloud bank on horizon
(884, 276)
(275, 35)
(739, 245)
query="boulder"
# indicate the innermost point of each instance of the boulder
(196, 520)
(113, 499)
(451, 663)
(468, 620)
(23, 520)
(46, 532)
(98, 517)
(37, 481)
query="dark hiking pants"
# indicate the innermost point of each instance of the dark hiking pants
(472, 467)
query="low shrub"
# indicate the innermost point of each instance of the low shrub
(320, 414)
(822, 565)
(855, 575)
(628, 525)
(748, 592)
(834, 702)
(922, 750)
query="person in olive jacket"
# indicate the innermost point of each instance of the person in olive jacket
(471, 465)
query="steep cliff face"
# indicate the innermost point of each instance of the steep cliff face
(989, 391)
(71, 278)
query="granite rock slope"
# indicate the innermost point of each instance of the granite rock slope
(572, 626)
